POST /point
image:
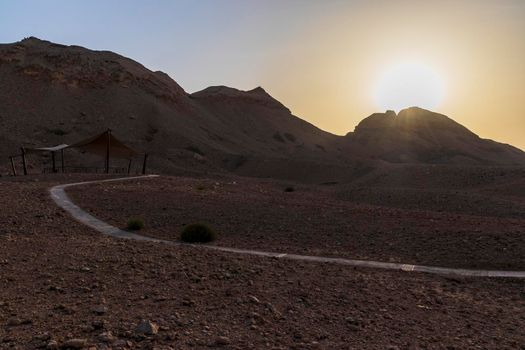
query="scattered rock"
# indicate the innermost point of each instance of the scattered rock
(352, 321)
(75, 343)
(254, 299)
(273, 310)
(160, 298)
(42, 337)
(188, 302)
(52, 345)
(222, 341)
(121, 343)
(106, 337)
(100, 309)
(64, 309)
(13, 322)
(98, 324)
(147, 327)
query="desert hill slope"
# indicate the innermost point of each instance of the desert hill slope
(55, 94)
(52, 94)
(416, 135)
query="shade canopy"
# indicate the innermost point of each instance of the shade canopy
(98, 145)
(48, 149)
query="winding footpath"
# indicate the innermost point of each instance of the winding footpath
(59, 195)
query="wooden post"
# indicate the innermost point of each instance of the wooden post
(129, 166)
(107, 150)
(13, 166)
(144, 164)
(24, 164)
(62, 159)
(54, 162)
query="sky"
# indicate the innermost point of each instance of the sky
(331, 62)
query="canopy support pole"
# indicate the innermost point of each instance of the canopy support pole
(62, 159)
(108, 144)
(24, 164)
(54, 162)
(129, 166)
(144, 164)
(13, 166)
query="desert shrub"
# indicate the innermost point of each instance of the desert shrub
(148, 138)
(57, 131)
(289, 136)
(234, 161)
(197, 233)
(278, 137)
(152, 130)
(289, 189)
(135, 224)
(195, 149)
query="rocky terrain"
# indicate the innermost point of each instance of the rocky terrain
(467, 228)
(67, 287)
(412, 187)
(54, 94)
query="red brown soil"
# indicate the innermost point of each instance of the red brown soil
(321, 220)
(54, 271)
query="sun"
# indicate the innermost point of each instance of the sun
(409, 84)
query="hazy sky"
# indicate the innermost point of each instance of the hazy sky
(326, 60)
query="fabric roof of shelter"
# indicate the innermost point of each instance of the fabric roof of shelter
(98, 145)
(48, 149)
(95, 145)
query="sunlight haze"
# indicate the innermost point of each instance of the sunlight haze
(327, 61)
(409, 84)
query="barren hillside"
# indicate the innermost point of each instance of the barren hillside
(52, 94)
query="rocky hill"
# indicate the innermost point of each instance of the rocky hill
(52, 94)
(416, 135)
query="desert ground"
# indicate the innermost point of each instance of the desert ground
(67, 286)
(322, 220)
(411, 187)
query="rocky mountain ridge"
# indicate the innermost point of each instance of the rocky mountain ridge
(53, 94)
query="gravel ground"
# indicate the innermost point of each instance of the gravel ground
(316, 220)
(65, 286)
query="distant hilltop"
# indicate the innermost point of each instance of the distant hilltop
(54, 94)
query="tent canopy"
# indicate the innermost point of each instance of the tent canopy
(98, 145)
(48, 149)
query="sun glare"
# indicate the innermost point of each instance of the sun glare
(409, 84)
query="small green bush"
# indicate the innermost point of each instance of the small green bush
(278, 137)
(197, 233)
(289, 189)
(135, 224)
(290, 137)
(57, 131)
(194, 149)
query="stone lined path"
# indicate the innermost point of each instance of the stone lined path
(62, 200)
